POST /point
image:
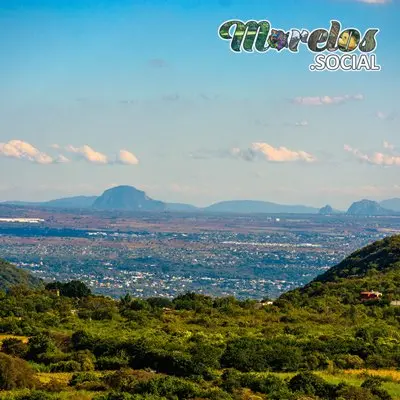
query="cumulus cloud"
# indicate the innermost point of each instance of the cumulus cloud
(258, 151)
(326, 100)
(21, 150)
(127, 158)
(281, 154)
(89, 154)
(376, 158)
(61, 159)
(24, 151)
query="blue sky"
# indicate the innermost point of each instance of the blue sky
(145, 93)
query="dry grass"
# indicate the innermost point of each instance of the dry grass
(60, 377)
(23, 338)
(384, 373)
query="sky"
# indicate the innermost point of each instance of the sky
(95, 94)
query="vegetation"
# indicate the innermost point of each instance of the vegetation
(11, 276)
(317, 342)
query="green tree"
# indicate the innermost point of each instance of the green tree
(14, 347)
(15, 373)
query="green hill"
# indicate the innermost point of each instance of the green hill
(11, 276)
(374, 267)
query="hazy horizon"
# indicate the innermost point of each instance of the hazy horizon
(294, 203)
(97, 94)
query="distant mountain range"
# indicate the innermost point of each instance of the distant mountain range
(66, 202)
(253, 206)
(391, 204)
(368, 207)
(128, 198)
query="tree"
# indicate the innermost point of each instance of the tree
(159, 302)
(15, 373)
(74, 288)
(246, 354)
(86, 359)
(14, 347)
(38, 345)
(312, 385)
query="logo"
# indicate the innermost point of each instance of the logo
(335, 49)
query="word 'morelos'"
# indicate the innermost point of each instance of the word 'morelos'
(259, 36)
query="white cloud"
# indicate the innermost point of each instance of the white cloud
(89, 154)
(281, 154)
(387, 145)
(257, 151)
(376, 158)
(127, 158)
(301, 123)
(326, 100)
(61, 159)
(386, 116)
(24, 151)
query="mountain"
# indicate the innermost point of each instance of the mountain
(11, 275)
(368, 207)
(71, 202)
(375, 267)
(381, 256)
(391, 204)
(254, 206)
(127, 198)
(181, 207)
(328, 210)
(66, 202)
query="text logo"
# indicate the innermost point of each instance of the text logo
(336, 48)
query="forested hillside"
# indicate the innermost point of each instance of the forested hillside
(318, 342)
(11, 276)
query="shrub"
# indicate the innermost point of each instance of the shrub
(311, 384)
(65, 366)
(40, 344)
(349, 361)
(36, 395)
(246, 354)
(53, 386)
(86, 359)
(15, 373)
(271, 385)
(111, 363)
(122, 380)
(169, 387)
(82, 377)
(92, 386)
(14, 347)
(354, 393)
(374, 384)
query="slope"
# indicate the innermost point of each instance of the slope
(11, 276)
(374, 267)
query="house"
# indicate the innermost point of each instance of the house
(56, 292)
(372, 295)
(395, 303)
(262, 304)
